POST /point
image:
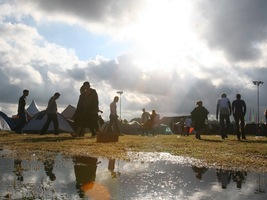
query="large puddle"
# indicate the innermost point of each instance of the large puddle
(157, 176)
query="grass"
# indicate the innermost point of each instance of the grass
(249, 155)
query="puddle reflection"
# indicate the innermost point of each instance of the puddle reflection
(98, 178)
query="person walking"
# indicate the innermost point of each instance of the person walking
(113, 115)
(86, 114)
(239, 112)
(51, 112)
(199, 115)
(224, 108)
(22, 112)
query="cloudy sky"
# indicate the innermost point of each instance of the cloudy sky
(163, 54)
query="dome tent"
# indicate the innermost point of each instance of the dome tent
(4, 125)
(36, 123)
(9, 121)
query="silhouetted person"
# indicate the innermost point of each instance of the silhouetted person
(22, 112)
(51, 112)
(86, 114)
(224, 108)
(113, 115)
(144, 119)
(239, 112)
(188, 124)
(199, 115)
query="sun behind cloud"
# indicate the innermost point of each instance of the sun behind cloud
(162, 32)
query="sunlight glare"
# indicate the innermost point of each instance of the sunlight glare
(163, 31)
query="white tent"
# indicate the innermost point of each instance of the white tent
(135, 124)
(33, 108)
(9, 121)
(68, 112)
(37, 121)
(4, 125)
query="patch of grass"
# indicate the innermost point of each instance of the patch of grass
(250, 154)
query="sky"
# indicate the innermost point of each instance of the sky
(163, 54)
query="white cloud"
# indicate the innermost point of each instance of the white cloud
(167, 66)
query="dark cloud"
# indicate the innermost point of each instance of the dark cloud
(114, 12)
(235, 27)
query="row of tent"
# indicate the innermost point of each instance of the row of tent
(37, 120)
(65, 123)
(35, 124)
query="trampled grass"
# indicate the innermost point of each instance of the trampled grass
(250, 154)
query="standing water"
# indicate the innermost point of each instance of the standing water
(156, 176)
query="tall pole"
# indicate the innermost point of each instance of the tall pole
(120, 93)
(257, 83)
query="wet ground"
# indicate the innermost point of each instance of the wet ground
(148, 176)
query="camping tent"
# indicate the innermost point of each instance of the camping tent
(68, 112)
(9, 121)
(163, 129)
(135, 124)
(33, 108)
(36, 123)
(4, 125)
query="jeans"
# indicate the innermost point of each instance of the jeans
(224, 124)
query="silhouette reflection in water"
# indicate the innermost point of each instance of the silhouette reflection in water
(18, 170)
(224, 177)
(85, 172)
(111, 167)
(83, 178)
(199, 171)
(239, 177)
(48, 167)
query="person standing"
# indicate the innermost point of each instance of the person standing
(199, 115)
(113, 115)
(224, 108)
(188, 124)
(22, 112)
(150, 124)
(239, 112)
(145, 117)
(51, 112)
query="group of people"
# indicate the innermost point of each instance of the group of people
(85, 116)
(224, 110)
(149, 121)
(51, 112)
